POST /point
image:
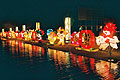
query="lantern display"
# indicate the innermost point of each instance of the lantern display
(106, 38)
(61, 36)
(86, 39)
(10, 33)
(16, 34)
(2, 32)
(24, 27)
(30, 34)
(22, 34)
(26, 36)
(37, 25)
(52, 37)
(68, 28)
(75, 38)
(48, 31)
(13, 34)
(34, 35)
(39, 33)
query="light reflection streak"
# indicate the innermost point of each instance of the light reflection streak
(64, 60)
(21, 49)
(60, 58)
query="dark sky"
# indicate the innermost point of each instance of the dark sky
(52, 12)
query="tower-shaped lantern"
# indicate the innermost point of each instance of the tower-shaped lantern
(37, 25)
(68, 28)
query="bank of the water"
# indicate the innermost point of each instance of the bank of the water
(103, 55)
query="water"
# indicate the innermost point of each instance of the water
(21, 61)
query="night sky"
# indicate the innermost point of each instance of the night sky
(51, 13)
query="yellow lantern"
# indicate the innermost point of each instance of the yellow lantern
(52, 37)
(61, 35)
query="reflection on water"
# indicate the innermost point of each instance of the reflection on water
(64, 65)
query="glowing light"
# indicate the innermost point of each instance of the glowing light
(74, 38)
(68, 27)
(39, 33)
(61, 35)
(37, 25)
(34, 35)
(89, 36)
(52, 37)
(106, 38)
(10, 29)
(48, 31)
(16, 28)
(24, 27)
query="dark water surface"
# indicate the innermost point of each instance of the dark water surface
(21, 61)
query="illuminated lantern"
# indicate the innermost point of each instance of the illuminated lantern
(106, 38)
(30, 34)
(13, 34)
(37, 25)
(40, 33)
(16, 32)
(75, 38)
(48, 31)
(34, 35)
(52, 37)
(87, 40)
(61, 35)
(68, 28)
(22, 34)
(24, 27)
(26, 35)
(10, 33)
(2, 32)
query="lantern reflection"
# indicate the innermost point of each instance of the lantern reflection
(60, 58)
(107, 70)
(19, 48)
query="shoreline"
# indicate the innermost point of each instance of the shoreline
(102, 55)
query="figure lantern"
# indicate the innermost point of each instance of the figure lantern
(75, 38)
(52, 37)
(16, 32)
(34, 35)
(40, 33)
(22, 34)
(26, 36)
(10, 33)
(3, 32)
(13, 34)
(30, 34)
(86, 39)
(106, 38)
(61, 35)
